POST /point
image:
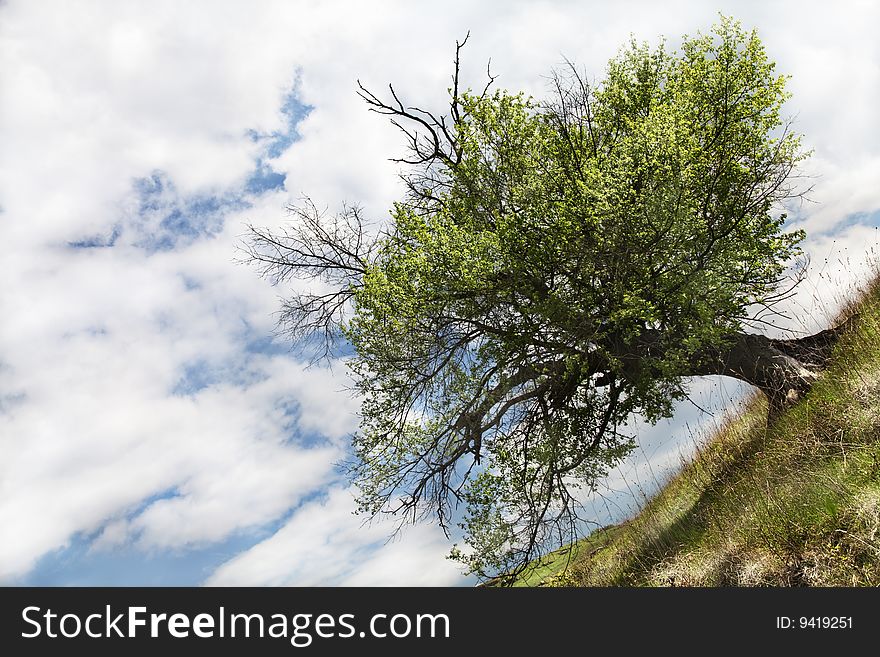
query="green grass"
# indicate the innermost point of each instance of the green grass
(792, 502)
(547, 570)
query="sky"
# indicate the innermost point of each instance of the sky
(153, 428)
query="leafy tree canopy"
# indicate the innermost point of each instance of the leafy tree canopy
(553, 268)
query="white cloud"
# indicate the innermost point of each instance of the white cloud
(323, 544)
(98, 436)
(841, 264)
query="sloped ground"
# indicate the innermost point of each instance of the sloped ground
(795, 502)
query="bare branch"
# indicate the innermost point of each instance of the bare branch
(330, 253)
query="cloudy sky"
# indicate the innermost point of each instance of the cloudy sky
(152, 429)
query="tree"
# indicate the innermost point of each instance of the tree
(553, 269)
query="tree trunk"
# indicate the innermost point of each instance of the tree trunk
(784, 369)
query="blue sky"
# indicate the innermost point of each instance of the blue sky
(152, 429)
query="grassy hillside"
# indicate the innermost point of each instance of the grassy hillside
(790, 503)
